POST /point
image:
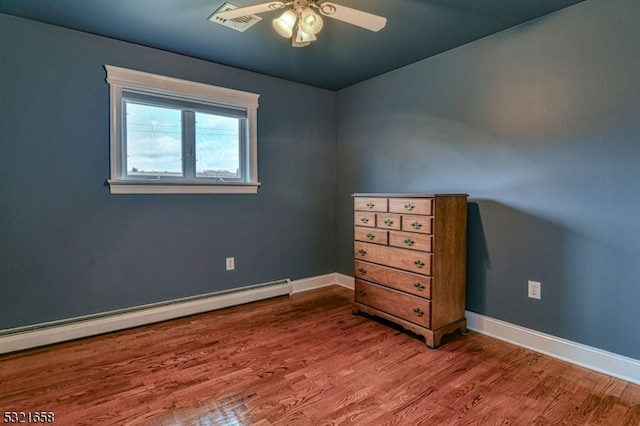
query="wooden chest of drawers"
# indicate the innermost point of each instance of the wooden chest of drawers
(410, 261)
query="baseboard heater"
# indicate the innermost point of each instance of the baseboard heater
(30, 336)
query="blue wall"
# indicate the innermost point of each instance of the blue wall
(540, 125)
(68, 247)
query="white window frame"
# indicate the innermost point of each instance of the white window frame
(122, 79)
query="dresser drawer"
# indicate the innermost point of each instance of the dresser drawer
(376, 236)
(364, 219)
(419, 285)
(370, 204)
(389, 221)
(409, 260)
(421, 224)
(423, 206)
(410, 240)
(414, 309)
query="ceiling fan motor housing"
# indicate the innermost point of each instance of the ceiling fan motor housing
(300, 5)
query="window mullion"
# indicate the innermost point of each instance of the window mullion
(189, 144)
(242, 147)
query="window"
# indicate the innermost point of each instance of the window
(176, 136)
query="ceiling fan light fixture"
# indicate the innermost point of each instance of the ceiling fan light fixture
(304, 19)
(285, 23)
(303, 36)
(310, 22)
(300, 38)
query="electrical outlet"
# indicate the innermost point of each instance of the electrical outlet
(231, 264)
(534, 289)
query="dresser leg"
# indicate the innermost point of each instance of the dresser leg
(463, 330)
(435, 337)
(431, 340)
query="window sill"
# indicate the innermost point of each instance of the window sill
(138, 187)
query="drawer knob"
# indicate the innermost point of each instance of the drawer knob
(409, 242)
(419, 263)
(418, 286)
(416, 225)
(388, 222)
(362, 252)
(364, 219)
(419, 312)
(409, 206)
(361, 293)
(371, 237)
(371, 205)
(362, 271)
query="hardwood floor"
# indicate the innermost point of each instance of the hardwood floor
(304, 360)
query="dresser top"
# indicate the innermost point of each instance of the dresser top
(405, 195)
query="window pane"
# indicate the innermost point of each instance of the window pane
(217, 146)
(154, 140)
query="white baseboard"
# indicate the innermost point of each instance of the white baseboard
(594, 359)
(322, 281)
(575, 353)
(345, 281)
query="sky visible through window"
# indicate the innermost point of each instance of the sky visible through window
(217, 147)
(154, 142)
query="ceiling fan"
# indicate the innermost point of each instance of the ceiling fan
(301, 23)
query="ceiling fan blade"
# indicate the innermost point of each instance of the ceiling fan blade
(250, 10)
(357, 17)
